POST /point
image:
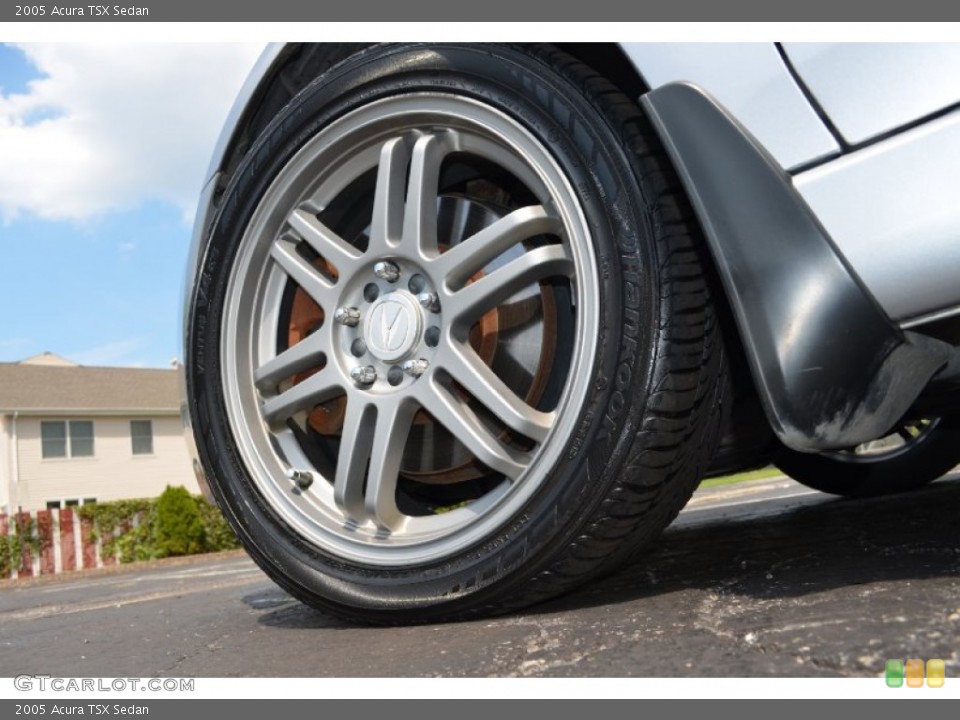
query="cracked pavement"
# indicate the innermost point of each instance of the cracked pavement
(762, 579)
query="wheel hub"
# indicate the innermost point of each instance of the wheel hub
(393, 328)
(389, 325)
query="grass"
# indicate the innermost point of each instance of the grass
(761, 474)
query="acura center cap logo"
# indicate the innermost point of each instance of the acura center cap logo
(392, 327)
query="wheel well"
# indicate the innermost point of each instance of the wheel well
(300, 63)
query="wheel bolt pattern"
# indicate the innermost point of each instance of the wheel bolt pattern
(429, 301)
(416, 368)
(386, 270)
(371, 292)
(395, 375)
(349, 316)
(353, 315)
(417, 284)
(364, 374)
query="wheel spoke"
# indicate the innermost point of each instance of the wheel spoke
(465, 366)
(457, 417)
(387, 222)
(304, 274)
(458, 263)
(389, 438)
(316, 389)
(420, 212)
(355, 446)
(478, 297)
(327, 243)
(368, 465)
(306, 354)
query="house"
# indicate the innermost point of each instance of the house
(71, 434)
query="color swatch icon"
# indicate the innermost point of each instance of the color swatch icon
(894, 673)
(913, 672)
(936, 672)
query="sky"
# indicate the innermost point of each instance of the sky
(103, 151)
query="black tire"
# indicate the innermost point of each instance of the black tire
(929, 453)
(649, 426)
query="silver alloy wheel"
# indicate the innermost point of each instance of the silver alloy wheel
(352, 511)
(904, 439)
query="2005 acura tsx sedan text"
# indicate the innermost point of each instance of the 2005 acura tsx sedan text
(466, 324)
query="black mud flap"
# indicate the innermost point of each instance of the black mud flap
(831, 369)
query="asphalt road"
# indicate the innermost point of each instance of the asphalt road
(755, 580)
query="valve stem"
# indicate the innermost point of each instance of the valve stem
(303, 478)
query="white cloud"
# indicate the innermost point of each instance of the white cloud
(110, 126)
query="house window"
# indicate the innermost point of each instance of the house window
(53, 439)
(69, 503)
(60, 436)
(81, 438)
(141, 437)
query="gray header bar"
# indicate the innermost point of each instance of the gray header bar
(416, 11)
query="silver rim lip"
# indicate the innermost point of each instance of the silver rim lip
(856, 456)
(314, 516)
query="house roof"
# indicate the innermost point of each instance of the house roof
(48, 358)
(34, 388)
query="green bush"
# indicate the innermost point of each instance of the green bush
(146, 529)
(177, 525)
(24, 534)
(114, 525)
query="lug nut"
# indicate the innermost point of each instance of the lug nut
(386, 270)
(364, 374)
(346, 316)
(429, 301)
(416, 368)
(302, 478)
